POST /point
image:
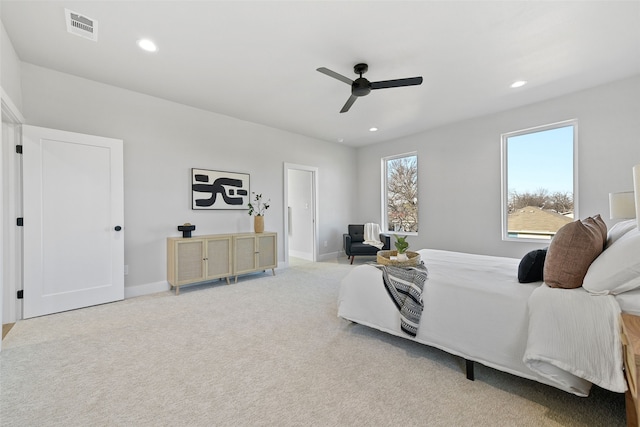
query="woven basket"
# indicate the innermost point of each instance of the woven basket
(384, 258)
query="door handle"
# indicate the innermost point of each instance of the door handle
(117, 228)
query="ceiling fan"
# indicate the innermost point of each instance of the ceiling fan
(362, 86)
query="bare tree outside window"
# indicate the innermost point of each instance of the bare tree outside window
(558, 202)
(401, 193)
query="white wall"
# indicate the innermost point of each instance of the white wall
(459, 166)
(164, 140)
(9, 69)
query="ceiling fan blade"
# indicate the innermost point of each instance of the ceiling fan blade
(412, 81)
(335, 75)
(349, 103)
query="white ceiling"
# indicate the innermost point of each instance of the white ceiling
(257, 60)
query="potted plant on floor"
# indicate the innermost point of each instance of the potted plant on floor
(257, 208)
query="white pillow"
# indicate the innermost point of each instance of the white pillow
(618, 230)
(617, 269)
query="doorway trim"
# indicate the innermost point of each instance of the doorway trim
(285, 207)
(10, 237)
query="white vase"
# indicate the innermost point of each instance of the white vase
(402, 257)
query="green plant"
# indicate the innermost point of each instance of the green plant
(401, 244)
(258, 207)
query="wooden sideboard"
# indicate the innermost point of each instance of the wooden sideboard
(202, 259)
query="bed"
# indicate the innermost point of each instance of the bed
(475, 308)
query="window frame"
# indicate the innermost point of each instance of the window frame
(385, 217)
(504, 175)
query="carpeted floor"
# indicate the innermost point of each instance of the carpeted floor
(265, 351)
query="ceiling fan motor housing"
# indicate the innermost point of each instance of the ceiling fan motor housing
(360, 87)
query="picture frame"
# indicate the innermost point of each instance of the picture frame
(219, 190)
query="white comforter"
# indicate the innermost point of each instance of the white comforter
(573, 331)
(474, 307)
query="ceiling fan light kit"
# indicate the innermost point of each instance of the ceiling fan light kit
(362, 86)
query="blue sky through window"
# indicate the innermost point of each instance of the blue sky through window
(541, 159)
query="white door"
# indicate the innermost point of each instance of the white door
(73, 220)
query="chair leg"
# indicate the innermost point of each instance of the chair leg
(352, 257)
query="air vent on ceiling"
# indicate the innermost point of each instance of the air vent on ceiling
(81, 25)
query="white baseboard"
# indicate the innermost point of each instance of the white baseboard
(145, 289)
(302, 255)
(152, 288)
(331, 256)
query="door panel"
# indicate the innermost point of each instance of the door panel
(73, 203)
(267, 251)
(190, 256)
(219, 257)
(245, 254)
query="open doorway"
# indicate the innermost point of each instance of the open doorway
(300, 212)
(10, 233)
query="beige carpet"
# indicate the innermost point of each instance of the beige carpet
(265, 351)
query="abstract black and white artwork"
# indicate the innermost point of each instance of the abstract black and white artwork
(219, 190)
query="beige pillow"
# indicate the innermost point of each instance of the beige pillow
(572, 250)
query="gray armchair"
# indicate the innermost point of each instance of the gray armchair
(353, 242)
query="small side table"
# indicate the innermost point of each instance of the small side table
(630, 336)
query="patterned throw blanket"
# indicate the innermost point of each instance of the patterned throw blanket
(404, 285)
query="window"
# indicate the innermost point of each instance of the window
(400, 193)
(538, 181)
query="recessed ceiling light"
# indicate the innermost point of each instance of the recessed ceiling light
(373, 129)
(340, 139)
(148, 45)
(518, 83)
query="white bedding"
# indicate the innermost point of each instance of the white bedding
(573, 331)
(474, 307)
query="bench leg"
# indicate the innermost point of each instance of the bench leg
(469, 368)
(352, 257)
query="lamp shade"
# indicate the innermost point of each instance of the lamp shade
(622, 205)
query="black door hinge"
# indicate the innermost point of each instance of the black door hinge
(19, 149)
(20, 222)
(20, 294)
